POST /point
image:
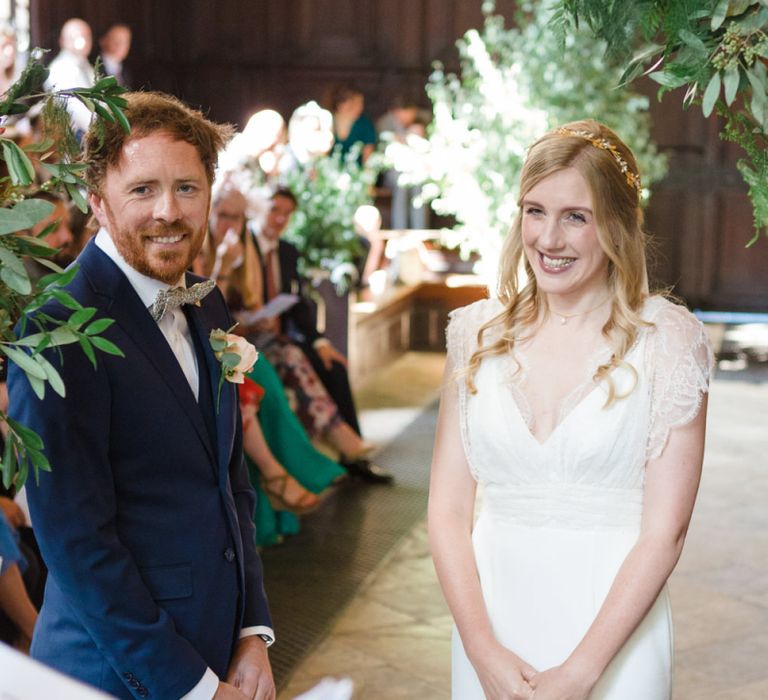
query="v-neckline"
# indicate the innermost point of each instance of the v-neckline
(567, 406)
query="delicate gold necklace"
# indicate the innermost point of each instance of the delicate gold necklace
(564, 317)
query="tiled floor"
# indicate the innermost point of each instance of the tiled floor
(394, 639)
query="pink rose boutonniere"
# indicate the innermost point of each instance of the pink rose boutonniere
(236, 354)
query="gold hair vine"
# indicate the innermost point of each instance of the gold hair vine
(605, 145)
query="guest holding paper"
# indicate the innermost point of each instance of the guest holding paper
(286, 470)
(295, 334)
(230, 255)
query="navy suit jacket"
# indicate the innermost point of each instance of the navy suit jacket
(145, 519)
(300, 321)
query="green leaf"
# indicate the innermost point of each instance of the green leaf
(81, 316)
(45, 262)
(62, 280)
(63, 335)
(108, 81)
(106, 346)
(118, 112)
(54, 378)
(33, 246)
(24, 215)
(757, 107)
(719, 14)
(87, 101)
(731, 84)
(711, 94)
(753, 22)
(103, 112)
(22, 474)
(668, 79)
(24, 361)
(19, 165)
(65, 299)
(9, 463)
(39, 460)
(28, 436)
(85, 344)
(77, 197)
(694, 42)
(38, 386)
(13, 272)
(39, 146)
(99, 326)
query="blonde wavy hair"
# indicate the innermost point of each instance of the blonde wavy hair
(245, 283)
(619, 225)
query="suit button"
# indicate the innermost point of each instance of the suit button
(229, 554)
(127, 675)
(134, 683)
(143, 692)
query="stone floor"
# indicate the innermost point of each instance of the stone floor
(394, 639)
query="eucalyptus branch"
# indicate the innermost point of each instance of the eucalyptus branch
(38, 335)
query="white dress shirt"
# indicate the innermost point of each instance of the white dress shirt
(173, 325)
(175, 328)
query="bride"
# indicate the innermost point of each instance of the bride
(578, 401)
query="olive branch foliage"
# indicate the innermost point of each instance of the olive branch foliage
(56, 154)
(717, 50)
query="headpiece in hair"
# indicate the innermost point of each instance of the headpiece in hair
(633, 179)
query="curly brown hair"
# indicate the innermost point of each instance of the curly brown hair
(150, 112)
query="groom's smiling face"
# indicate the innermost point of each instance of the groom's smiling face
(154, 202)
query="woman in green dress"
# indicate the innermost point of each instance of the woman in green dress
(285, 468)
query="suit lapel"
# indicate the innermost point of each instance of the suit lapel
(124, 305)
(204, 320)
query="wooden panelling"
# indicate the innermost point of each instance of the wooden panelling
(232, 57)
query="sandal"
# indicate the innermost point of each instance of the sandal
(276, 489)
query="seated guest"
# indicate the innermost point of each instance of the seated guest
(34, 572)
(279, 260)
(230, 256)
(17, 613)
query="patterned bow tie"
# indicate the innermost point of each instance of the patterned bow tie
(168, 299)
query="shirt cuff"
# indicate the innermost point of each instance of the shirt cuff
(205, 689)
(262, 630)
(320, 342)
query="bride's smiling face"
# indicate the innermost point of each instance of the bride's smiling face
(560, 237)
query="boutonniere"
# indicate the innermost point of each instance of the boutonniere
(236, 355)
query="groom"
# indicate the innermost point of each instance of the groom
(155, 586)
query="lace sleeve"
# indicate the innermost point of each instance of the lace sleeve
(454, 338)
(681, 361)
(461, 340)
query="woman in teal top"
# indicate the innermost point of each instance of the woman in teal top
(279, 498)
(350, 125)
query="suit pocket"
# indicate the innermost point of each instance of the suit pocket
(168, 582)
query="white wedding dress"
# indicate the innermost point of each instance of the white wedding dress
(558, 518)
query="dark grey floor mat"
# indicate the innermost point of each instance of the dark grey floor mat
(315, 574)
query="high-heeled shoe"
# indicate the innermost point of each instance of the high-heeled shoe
(276, 488)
